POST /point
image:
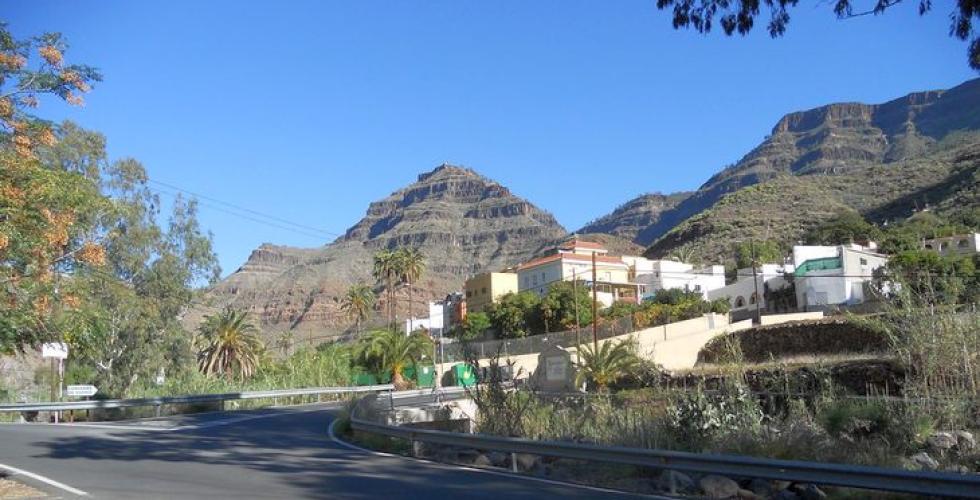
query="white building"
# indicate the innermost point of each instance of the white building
(659, 275)
(960, 244)
(746, 293)
(833, 275)
(433, 322)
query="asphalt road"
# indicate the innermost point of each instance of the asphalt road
(273, 453)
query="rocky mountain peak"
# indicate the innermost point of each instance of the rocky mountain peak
(462, 222)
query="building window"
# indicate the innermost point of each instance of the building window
(739, 301)
(928, 246)
(469, 293)
(942, 247)
(483, 290)
(534, 280)
(962, 243)
(753, 298)
(864, 262)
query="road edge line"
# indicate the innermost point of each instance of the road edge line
(43, 479)
(333, 437)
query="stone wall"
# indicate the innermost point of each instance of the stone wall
(829, 336)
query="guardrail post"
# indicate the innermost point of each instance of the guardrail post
(158, 409)
(513, 462)
(391, 400)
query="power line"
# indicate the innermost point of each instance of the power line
(318, 237)
(244, 209)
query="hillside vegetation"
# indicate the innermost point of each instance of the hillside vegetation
(785, 208)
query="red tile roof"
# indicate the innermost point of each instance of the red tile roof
(581, 244)
(605, 259)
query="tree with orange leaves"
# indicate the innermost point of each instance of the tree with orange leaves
(22, 84)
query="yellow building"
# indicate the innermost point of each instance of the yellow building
(485, 288)
(573, 261)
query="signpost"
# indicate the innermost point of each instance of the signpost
(81, 391)
(56, 351)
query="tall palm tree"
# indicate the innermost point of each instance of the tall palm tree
(357, 304)
(411, 267)
(285, 342)
(391, 351)
(228, 344)
(385, 271)
(604, 366)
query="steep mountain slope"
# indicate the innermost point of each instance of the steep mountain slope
(462, 223)
(837, 139)
(784, 208)
(627, 220)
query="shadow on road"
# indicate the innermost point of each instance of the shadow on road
(289, 454)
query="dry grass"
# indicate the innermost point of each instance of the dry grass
(13, 489)
(788, 362)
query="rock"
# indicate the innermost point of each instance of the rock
(499, 459)
(959, 469)
(809, 492)
(942, 441)
(780, 485)
(745, 494)
(965, 440)
(674, 482)
(924, 461)
(525, 461)
(718, 487)
(785, 495)
(762, 487)
(467, 456)
(481, 460)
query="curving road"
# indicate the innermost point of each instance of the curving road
(273, 453)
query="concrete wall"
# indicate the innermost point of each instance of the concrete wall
(674, 346)
(783, 318)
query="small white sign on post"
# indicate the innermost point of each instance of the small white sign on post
(56, 350)
(81, 391)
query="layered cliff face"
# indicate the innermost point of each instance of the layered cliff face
(462, 222)
(632, 217)
(837, 139)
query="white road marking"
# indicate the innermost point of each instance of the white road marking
(45, 480)
(510, 475)
(189, 427)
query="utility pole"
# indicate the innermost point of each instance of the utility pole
(755, 281)
(595, 317)
(578, 340)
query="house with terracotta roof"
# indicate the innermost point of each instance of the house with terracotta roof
(573, 261)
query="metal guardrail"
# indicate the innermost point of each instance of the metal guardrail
(188, 399)
(931, 484)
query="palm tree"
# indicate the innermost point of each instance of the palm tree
(411, 266)
(228, 345)
(385, 270)
(391, 352)
(604, 366)
(357, 303)
(285, 342)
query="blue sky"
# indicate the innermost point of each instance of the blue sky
(310, 110)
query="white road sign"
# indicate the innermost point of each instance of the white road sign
(80, 391)
(57, 350)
